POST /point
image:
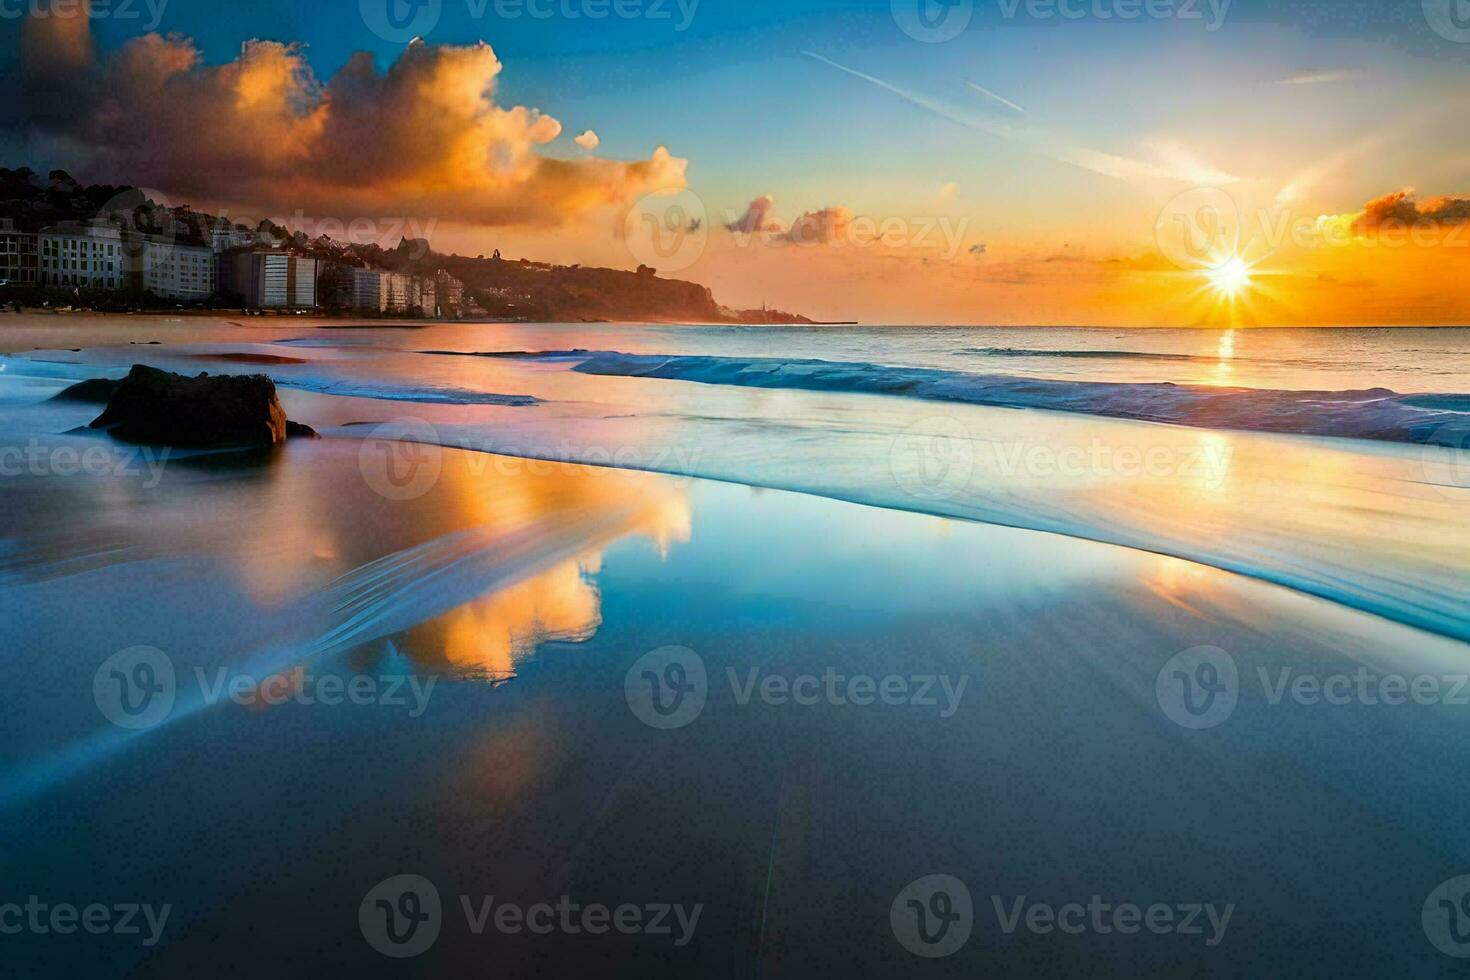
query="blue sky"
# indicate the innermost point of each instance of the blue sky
(1094, 125)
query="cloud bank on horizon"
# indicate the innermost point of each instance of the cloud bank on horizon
(425, 137)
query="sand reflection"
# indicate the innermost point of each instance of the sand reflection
(578, 508)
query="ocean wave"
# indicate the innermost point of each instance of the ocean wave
(1051, 352)
(62, 371)
(430, 395)
(576, 353)
(1373, 413)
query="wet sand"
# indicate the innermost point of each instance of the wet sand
(529, 592)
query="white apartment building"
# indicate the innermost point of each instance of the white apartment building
(170, 269)
(19, 259)
(88, 256)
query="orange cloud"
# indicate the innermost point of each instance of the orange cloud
(820, 227)
(757, 217)
(1401, 210)
(426, 137)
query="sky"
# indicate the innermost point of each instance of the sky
(1109, 162)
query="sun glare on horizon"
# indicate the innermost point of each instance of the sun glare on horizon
(1230, 277)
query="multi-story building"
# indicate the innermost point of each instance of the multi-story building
(398, 289)
(225, 236)
(450, 291)
(167, 268)
(422, 296)
(20, 263)
(78, 255)
(269, 278)
(334, 285)
(347, 287)
(369, 290)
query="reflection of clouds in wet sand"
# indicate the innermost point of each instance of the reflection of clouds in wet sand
(562, 604)
(494, 559)
(559, 602)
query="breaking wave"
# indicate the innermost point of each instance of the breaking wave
(1373, 413)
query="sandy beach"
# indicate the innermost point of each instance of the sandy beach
(377, 673)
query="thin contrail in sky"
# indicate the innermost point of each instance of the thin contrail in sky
(991, 95)
(1108, 164)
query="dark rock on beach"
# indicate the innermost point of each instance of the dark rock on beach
(96, 391)
(203, 412)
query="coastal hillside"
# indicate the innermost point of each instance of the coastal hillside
(498, 287)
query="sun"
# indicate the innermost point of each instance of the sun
(1230, 277)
